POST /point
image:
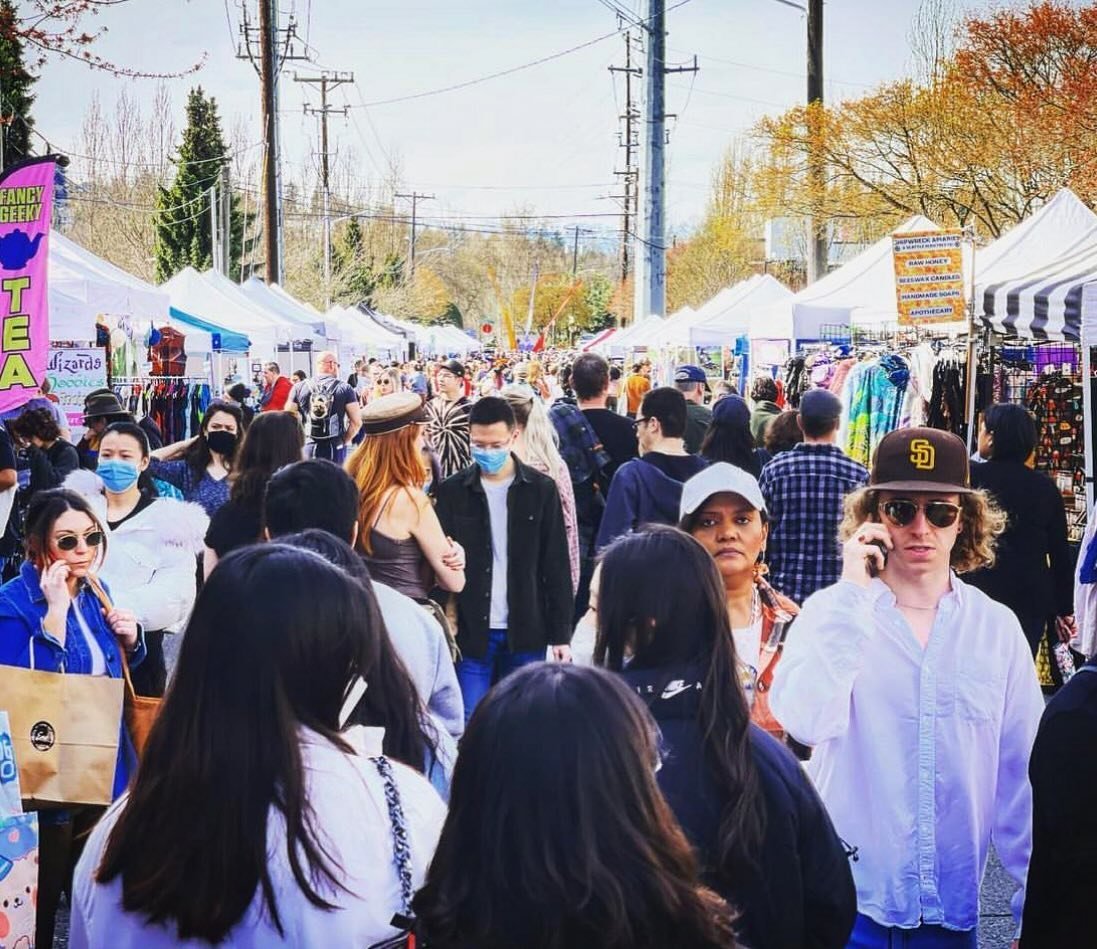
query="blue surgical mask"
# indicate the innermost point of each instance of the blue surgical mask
(490, 460)
(118, 476)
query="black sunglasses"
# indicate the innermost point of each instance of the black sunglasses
(939, 513)
(71, 541)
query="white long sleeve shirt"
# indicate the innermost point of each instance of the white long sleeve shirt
(921, 755)
(347, 797)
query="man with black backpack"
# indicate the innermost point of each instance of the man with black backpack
(594, 443)
(329, 409)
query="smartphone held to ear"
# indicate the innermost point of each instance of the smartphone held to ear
(874, 567)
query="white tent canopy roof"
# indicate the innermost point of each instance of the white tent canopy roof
(731, 319)
(197, 295)
(82, 276)
(859, 292)
(305, 323)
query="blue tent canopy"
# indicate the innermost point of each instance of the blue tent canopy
(224, 341)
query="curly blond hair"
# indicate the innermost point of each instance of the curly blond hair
(981, 523)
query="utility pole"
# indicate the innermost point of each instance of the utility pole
(214, 233)
(575, 254)
(226, 221)
(274, 49)
(415, 197)
(651, 276)
(630, 176)
(326, 80)
(817, 238)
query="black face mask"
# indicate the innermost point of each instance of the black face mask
(221, 442)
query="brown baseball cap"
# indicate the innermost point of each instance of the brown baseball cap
(390, 413)
(921, 459)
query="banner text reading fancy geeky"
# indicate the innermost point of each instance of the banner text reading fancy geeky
(26, 199)
(929, 276)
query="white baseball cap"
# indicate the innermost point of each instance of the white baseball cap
(720, 478)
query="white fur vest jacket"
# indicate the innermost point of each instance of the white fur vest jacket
(151, 558)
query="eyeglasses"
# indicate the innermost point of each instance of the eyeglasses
(939, 513)
(71, 541)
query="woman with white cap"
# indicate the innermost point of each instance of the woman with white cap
(722, 507)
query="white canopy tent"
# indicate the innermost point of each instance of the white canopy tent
(860, 292)
(621, 341)
(303, 323)
(731, 319)
(83, 276)
(197, 295)
(358, 332)
(668, 333)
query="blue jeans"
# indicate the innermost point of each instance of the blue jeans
(477, 676)
(333, 450)
(869, 934)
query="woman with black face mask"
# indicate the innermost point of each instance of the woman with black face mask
(199, 467)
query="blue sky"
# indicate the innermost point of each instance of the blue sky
(544, 138)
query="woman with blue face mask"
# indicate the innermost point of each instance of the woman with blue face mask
(150, 564)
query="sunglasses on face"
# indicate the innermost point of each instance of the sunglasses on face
(71, 541)
(902, 512)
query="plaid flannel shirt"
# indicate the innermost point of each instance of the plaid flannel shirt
(805, 490)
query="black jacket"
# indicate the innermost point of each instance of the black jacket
(539, 593)
(1061, 890)
(1037, 531)
(802, 895)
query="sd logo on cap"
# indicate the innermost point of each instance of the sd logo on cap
(921, 459)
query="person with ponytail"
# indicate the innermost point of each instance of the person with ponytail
(762, 835)
(154, 542)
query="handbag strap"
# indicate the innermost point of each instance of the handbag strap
(401, 851)
(104, 598)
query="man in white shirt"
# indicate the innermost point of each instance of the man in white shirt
(920, 697)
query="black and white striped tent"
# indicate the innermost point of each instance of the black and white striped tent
(1030, 283)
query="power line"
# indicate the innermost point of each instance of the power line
(515, 69)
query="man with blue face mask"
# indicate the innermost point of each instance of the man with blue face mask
(517, 599)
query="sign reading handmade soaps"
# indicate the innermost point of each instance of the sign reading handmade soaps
(929, 276)
(74, 374)
(26, 200)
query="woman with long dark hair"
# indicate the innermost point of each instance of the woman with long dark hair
(763, 837)
(200, 466)
(729, 438)
(150, 565)
(557, 836)
(412, 734)
(257, 818)
(1033, 571)
(51, 620)
(272, 441)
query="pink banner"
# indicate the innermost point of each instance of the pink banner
(26, 202)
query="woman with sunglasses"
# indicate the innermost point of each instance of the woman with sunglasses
(153, 545)
(52, 621)
(920, 698)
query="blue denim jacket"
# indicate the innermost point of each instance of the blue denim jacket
(22, 610)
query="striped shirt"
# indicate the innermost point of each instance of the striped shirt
(805, 490)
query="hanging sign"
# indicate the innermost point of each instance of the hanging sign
(74, 374)
(26, 201)
(929, 277)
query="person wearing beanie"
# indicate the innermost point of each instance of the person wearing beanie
(805, 489)
(919, 697)
(728, 437)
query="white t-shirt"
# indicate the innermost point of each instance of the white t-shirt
(98, 658)
(497, 512)
(748, 647)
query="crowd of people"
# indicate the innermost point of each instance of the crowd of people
(531, 651)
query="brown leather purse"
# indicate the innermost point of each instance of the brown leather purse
(140, 711)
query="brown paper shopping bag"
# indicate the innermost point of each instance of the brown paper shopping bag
(64, 731)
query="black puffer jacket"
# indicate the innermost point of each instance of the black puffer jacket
(803, 896)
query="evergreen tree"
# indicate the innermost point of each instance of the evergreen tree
(15, 85)
(183, 227)
(354, 277)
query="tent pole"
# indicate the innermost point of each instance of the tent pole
(1087, 422)
(971, 353)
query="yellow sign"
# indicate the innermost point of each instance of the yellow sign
(929, 277)
(922, 454)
